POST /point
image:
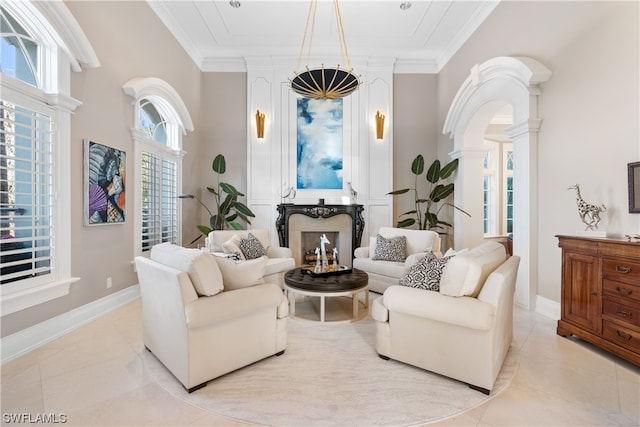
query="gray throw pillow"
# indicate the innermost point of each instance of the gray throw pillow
(251, 247)
(426, 273)
(392, 249)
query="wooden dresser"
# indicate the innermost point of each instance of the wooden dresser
(601, 294)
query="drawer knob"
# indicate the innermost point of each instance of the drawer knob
(623, 312)
(623, 335)
(623, 291)
(622, 269)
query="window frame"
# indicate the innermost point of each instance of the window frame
(498, 174)
(62, 47)
(178, 121)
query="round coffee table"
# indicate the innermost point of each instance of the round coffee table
(296, 282)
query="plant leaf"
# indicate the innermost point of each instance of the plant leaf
(409, 213)
(440, 192)
(448, 169)
(225, 206)
(243, 209)
(417, 166)
(433, 174)
(461, 210)
(219, 165)
(236, 226)
(230, 189)
(212, 190)
(406, 223)
(432, 219)
(204, 230)
(396, 192)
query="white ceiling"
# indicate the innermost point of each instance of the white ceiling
(421, 38)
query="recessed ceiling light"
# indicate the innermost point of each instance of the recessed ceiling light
(234, 3)
(405, 5)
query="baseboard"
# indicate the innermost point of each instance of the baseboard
(22, 342)
(547, 308)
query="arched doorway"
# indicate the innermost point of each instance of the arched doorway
(490, 86)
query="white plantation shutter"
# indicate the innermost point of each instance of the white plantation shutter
(159, 200)
(26, 194)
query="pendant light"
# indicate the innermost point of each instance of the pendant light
(325, 83)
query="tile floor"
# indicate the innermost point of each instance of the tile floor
(94, 375)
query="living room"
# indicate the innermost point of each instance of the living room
(588, 134)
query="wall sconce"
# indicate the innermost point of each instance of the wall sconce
(260, 124)
(379, 125)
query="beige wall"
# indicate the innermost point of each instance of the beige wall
(589, 108)
(414, 132)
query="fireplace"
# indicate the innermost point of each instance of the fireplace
(345, 221)
(310, 240)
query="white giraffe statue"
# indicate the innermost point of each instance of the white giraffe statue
(589, 213)
(323, 252)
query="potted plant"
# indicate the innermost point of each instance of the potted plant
(228, 208)
(427, 210)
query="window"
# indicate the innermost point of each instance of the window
(498, 188)
(37, 43)
(160, 118)
(159, 179)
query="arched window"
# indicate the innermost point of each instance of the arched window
(37, 43)
(160, 121)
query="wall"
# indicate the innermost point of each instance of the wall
(589, 109)
(415, 131)
(129, 41)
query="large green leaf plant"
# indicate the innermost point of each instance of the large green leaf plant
(228, 209)
(426, 213)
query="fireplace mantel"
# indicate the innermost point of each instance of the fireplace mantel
(285, 211)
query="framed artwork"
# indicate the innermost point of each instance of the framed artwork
(634, 187)
(319, 147)
(104, 184)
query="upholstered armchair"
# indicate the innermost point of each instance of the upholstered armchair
(195, 326)
(279, 259)
(385, 271)
(464, 330)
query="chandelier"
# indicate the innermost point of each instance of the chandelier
(323, 82)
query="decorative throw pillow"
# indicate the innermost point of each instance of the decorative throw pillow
(392, 249)
(426, 273)
(242, 274)
(251, 247)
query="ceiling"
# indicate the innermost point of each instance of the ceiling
(420, 38)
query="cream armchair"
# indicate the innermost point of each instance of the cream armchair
(198, 330)
(383, 274)
(279, 259)
(465, 330)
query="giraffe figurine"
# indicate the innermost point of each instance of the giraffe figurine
(589, 213)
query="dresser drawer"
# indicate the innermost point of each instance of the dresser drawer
(621, 290)
(623, 312)
(621, 270)
(621, 335)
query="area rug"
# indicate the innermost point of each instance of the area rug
(331, 375)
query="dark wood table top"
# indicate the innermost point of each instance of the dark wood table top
(297, 279)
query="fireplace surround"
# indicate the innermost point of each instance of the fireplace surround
(321, 218)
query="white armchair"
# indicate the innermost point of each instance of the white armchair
(465, 330)
(383, 274)
(198, 330)
(279, 259)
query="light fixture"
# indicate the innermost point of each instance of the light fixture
(405, 5)
(324, 82)
(235, 4)
(379, 125)
(260, 124)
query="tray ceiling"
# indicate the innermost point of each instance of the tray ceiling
(421, 38)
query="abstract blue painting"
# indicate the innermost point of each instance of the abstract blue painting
(319, 147)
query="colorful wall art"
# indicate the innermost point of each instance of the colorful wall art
(319, 144)
(105, 173)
